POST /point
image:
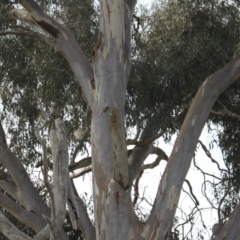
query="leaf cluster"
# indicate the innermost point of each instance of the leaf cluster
(179, 44)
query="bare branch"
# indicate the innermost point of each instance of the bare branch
(44, 233)
(45, 166)
(161, 156)
(210, 156)
(10, 231)
(79, 174)
(59, 146)
(7, 183)
(143, 148)
(226, 112)
(136, 187)
(30, 219)
(26, 192)
(180, 159)
(205, 173)
(85, 162)
(83, 136)
(191, 191)
(83, 221)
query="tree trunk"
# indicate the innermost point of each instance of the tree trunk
(111, 62)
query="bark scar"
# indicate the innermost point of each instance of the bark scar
(92, 82)
(48, 28)
(97, 45)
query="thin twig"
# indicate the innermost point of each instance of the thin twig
(226, 112)
(191, 191)
(210, 156)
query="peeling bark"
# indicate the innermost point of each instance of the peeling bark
(111, 64)
(104, 86)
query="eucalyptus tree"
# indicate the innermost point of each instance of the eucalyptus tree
(180, 45)
(60, 79)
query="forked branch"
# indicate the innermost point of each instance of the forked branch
(66, 44)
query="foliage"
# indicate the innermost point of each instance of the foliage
(176, 46)
(43, 80)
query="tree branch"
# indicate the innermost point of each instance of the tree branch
(191, 191)
(83, 136)
(83, 220)
(151, 139)
(45, 167)
(210, 156)
(226, 112)
(204, 173)
(85, 162)
(144, 148)
(230, 230)
(7, 183)
(26, 193)
(161, 156)
(10, 231)
(30, 219)
(59, 146)
(66, 44)
(179, 162)
(79, 174)
(136, 187)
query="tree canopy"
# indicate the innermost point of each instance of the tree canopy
(67, 87)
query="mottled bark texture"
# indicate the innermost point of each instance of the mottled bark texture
(104, 84)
